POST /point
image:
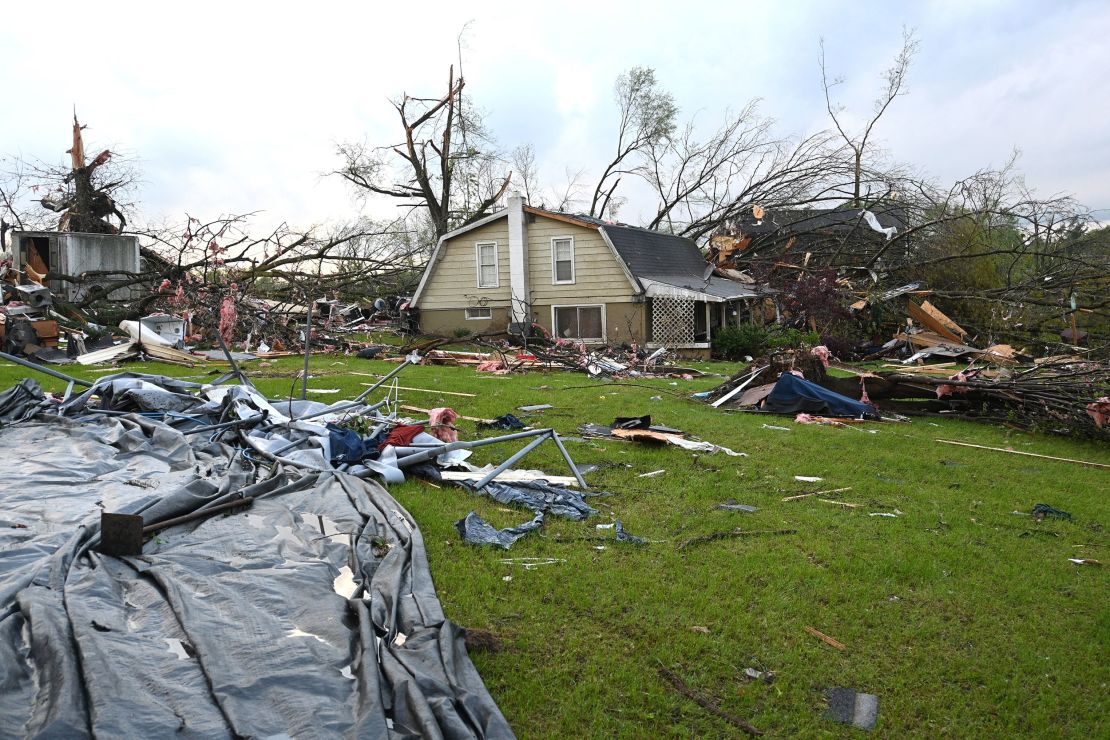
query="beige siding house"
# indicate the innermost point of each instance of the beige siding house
(578, 278)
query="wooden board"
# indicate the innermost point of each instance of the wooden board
(927, 320)
(948, 323)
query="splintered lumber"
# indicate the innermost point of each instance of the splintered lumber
(429, 390)
(948, 323)
(109, 354)
(817, 493)
(923, 317)
(840, 503)
(825, 638)
(1026, 454)
(705, 702)
(163, 353)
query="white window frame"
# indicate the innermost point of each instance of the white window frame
(468, 317)
(554, 273)
(496, 264)
(604, 325)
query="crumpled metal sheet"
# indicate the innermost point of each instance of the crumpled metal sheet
(309, 614)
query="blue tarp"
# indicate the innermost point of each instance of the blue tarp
(792, 395)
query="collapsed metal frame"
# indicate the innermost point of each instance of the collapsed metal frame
(406, 456)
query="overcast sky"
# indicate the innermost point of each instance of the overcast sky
(236, 106)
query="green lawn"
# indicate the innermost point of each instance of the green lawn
(963, 617)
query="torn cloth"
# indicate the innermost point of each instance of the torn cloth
(403, 434)
(441, 423)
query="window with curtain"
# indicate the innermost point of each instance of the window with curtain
(487, 264)
(562, 260)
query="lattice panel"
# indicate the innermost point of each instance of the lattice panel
(672, 321)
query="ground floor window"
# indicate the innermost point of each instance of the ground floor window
(579, 322)
(479, 312)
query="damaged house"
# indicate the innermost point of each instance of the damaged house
(578, 278)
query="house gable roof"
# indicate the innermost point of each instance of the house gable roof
(642, 254)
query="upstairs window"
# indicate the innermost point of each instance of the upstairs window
(562, 261)
(487, 264)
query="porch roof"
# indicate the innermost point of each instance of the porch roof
(715, 290)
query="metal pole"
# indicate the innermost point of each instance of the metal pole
(392, 374)
(508, 463)
(45, 370)
(307, 346)
(434, 452)
(231, 360)
(570, 462)
(227, 424)
(347, 407)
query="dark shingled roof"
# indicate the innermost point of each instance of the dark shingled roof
(652, 254)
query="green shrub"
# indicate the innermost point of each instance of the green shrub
(734, 342)
(779, 337)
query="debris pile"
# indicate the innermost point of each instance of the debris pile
(249, 513)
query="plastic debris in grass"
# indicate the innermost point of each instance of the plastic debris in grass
(1041, 511)
(477, 531)
(851, 707)
(733, 506)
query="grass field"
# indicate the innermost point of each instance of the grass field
(965, 618)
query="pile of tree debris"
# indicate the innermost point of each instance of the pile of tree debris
(1065, 394)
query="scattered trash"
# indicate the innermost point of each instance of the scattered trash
(730, 506)
(652, 474)
(699, 628)
(506, 421)
(1040, 511)
(850, 707)
(536, 407)
(808, 479)
(623, 536)
(767, 677)
(476, 531)
(777, 429)
(883, 513)
(1085, 561)
(532, 563)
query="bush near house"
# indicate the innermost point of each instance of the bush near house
(736, 342)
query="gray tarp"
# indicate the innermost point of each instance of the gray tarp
(309, 614)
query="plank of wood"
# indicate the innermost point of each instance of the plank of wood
(1026, 454)
(925, 319)
(825, 638)
(817, 493)
(840, 503)
(939, 315)
(429, 390)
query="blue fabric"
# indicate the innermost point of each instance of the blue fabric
(792, 395)
(347, 446)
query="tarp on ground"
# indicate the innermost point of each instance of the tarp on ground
(793, 395)
(309, 614)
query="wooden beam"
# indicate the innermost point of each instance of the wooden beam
(1027, 454)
